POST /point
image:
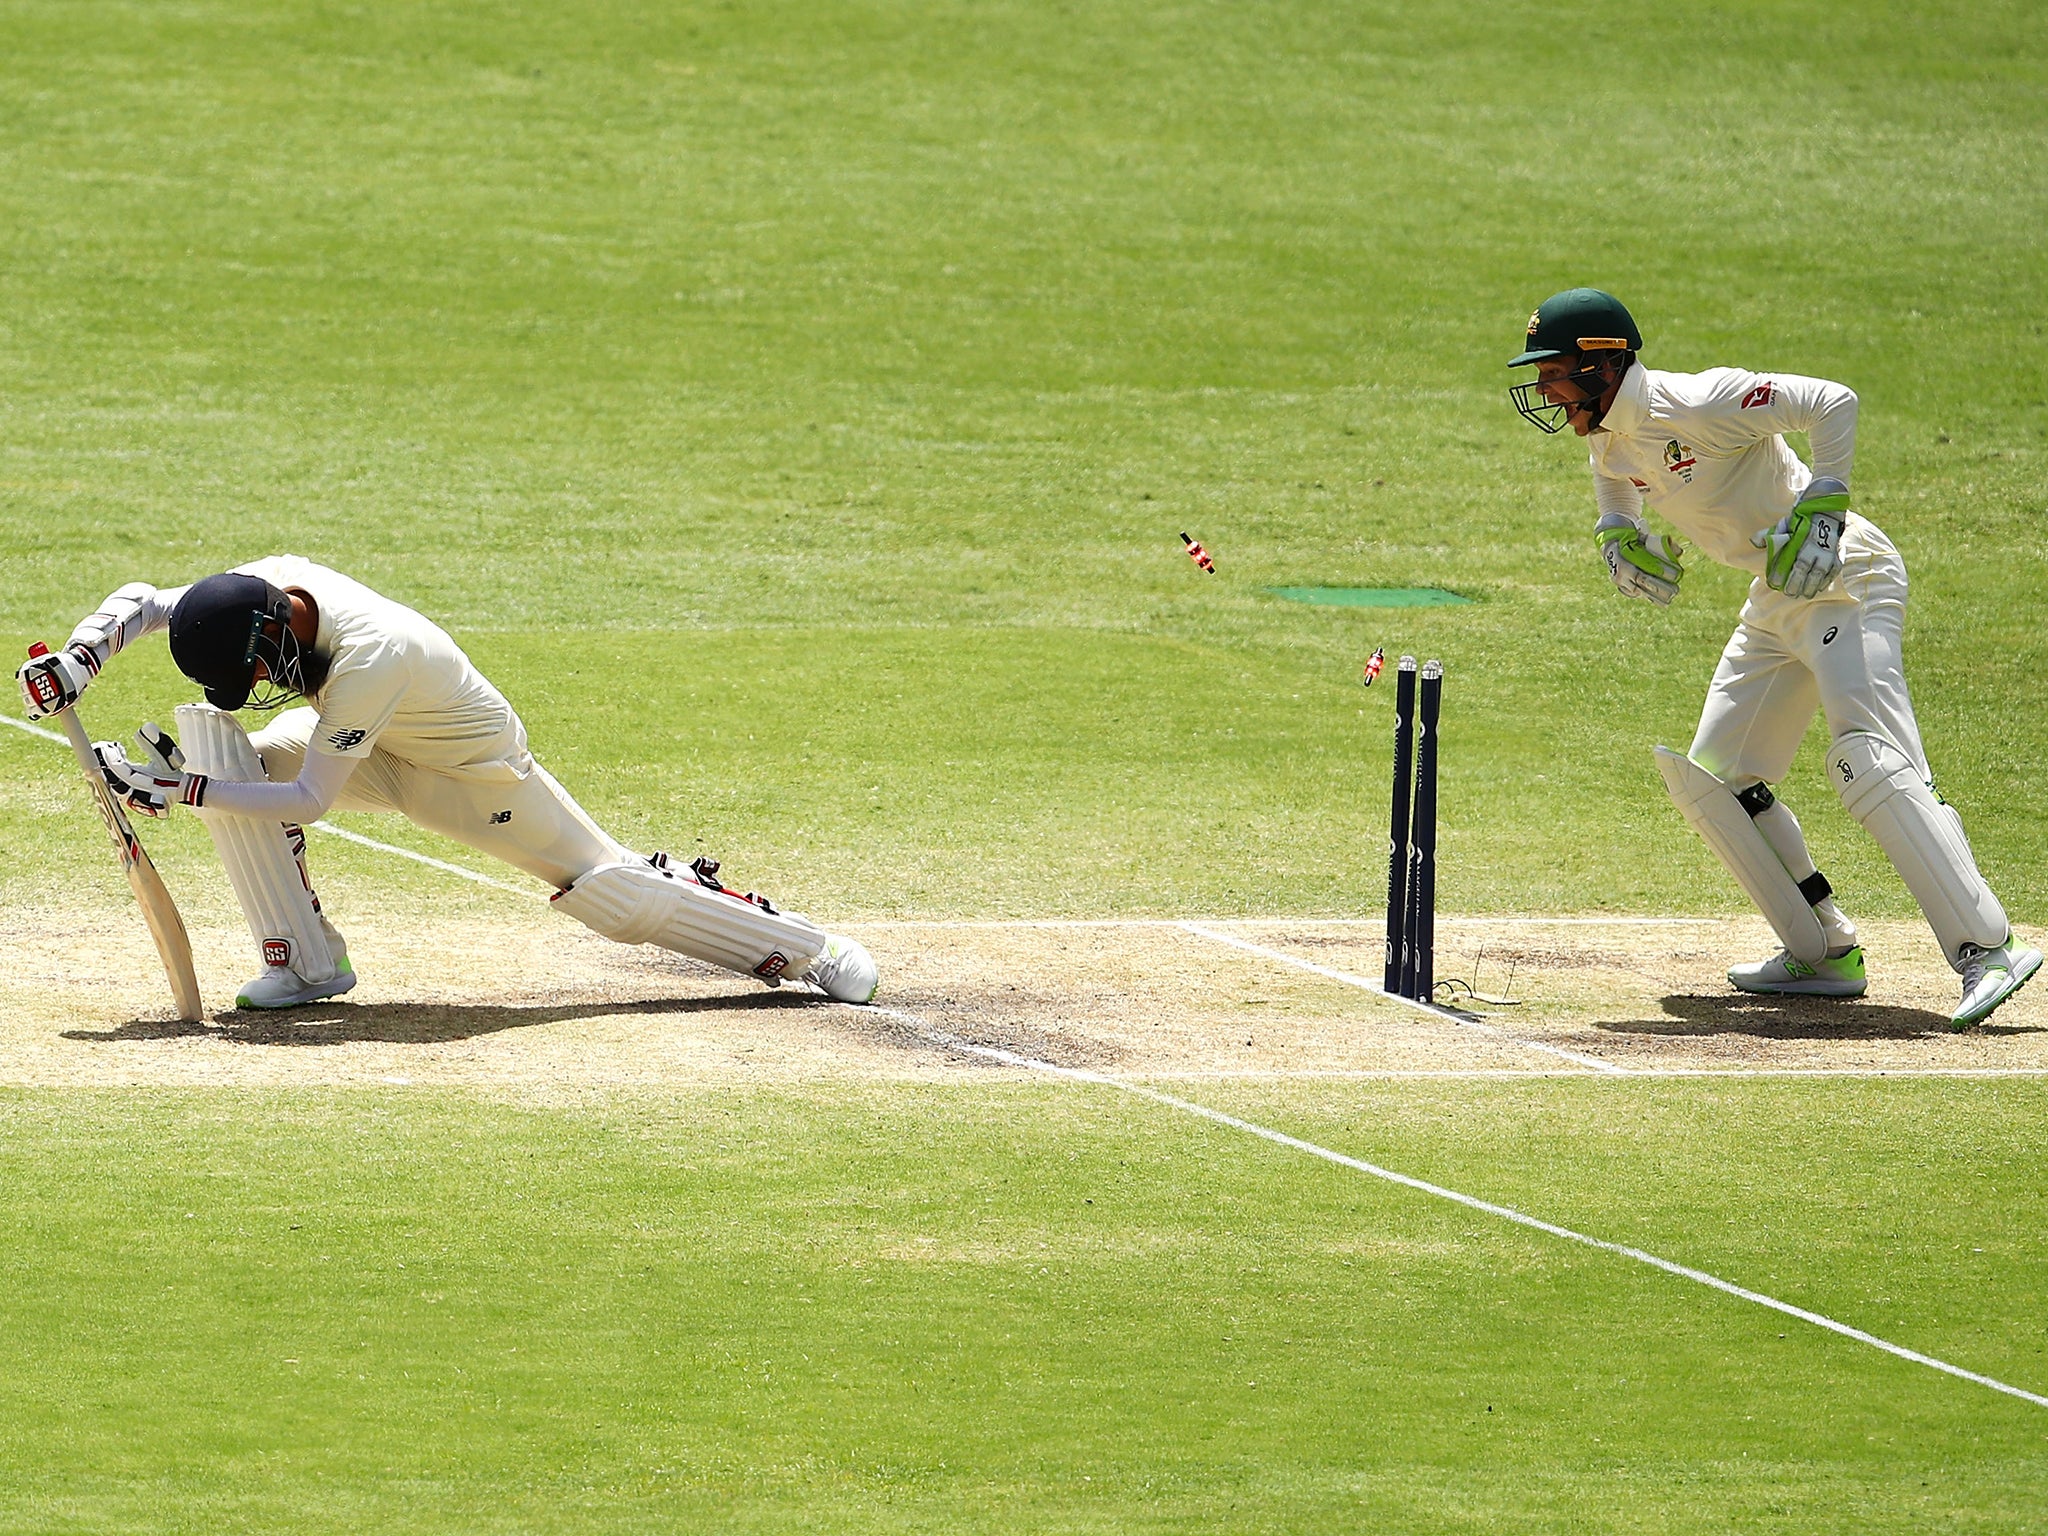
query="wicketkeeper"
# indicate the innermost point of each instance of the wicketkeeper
(395, 718)
(1822, 628)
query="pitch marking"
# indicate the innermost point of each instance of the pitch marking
(1464, 1020)
(1292, 922)
(33, 730)
(1470, 1202)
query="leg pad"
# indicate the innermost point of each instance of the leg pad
(1713, 811)
(637, 903)
(1922, 836)
(265, 860)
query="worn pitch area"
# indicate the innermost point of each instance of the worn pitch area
(525, 1000)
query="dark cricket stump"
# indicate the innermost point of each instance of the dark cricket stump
(1397, 836)
(1411, 847)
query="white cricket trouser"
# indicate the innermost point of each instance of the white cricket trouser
(530, 823)
(1841, 652)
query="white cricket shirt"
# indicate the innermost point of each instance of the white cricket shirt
(1708, 452)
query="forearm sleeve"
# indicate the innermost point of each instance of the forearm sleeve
(126, 615)
(1618, 496)
(1826, 412)
(306, 798)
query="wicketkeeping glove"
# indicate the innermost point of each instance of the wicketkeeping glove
(1642, 564)
(54, 680)
(152, 785)
(1803, 550)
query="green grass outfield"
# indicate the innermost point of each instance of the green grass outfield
(1016, 1307)
(795, 408)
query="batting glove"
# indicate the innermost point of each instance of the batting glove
(1643, 565)
(1803, 550)
(54, 681)
(153, 785)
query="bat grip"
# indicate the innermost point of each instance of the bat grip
(74, 731)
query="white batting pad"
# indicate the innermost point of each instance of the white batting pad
(1711, 809)
(1922, 837)
(638, 904)
(264, 859)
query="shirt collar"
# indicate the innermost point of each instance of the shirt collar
(323, 631)
(1631, 406)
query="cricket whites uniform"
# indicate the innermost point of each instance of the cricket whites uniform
(404, 722)
(398, 720)
(1707, 451)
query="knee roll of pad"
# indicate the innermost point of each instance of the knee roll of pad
(1729, 828)
(1922, 837)
(639, 904)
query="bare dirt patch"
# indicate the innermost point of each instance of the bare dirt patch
(523, 1000)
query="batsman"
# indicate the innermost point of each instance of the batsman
(1822, 628)
(390, 716)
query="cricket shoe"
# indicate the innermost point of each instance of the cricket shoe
(845, 971)
(1990, 976)
(282, 987)
(1836, 976)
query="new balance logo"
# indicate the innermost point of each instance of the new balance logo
(342, 741)
(499, 818)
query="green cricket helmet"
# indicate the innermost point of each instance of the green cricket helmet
(1582, 323)
(1579, 320)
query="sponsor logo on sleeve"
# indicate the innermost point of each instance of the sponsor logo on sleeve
(343, 741)
(1678, 460)
(499, 818)
(1763, 394)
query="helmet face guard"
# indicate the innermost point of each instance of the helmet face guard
(219, 631)
(1551, 415)
(292, 669)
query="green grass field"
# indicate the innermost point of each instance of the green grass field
(795, 408)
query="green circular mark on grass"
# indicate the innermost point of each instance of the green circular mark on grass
(1369, 597)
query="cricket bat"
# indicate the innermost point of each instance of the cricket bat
(158, 910)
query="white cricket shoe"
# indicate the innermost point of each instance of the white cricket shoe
(1836, 976)
(282, 987)
(1990, 976)
(845, 971)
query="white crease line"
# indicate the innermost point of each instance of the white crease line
(1464, 1020)
(1280, 920)
(420, 858)
(1163, 1074)
(1471, 1202)
(33, 730)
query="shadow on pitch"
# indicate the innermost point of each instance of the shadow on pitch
(1797, 1018)
(341, 1023)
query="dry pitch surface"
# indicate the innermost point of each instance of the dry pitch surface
(526, 1001)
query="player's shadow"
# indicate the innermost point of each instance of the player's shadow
(1796, 1018)
(342, 1023)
